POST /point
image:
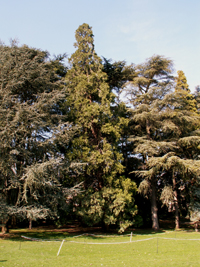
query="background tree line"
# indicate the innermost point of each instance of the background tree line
(71, 147)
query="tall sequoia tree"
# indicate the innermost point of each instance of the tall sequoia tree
(89, 100)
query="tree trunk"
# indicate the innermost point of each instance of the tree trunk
(177, 224)
(154, 209)
(4, 227)
(13, 221)
(30, 224)
(196, 226)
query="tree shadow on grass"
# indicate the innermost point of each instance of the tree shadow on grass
(48, 234)
(146, 231)
(23, 236)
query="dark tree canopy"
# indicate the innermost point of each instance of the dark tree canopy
(30, 95)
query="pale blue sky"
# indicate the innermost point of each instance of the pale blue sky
(130, 30)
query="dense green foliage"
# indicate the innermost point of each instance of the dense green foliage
(30, 126)
(95, 144)
(71, 148)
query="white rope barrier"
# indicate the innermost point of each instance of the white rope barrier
(59, 240)
(104, 243)
(111, 243)
(89, 243)
(107, 243)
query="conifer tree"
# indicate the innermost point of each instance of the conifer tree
(89, 99)
(171, 128)
(186, 99)
(181, 82)
(152, 82)
(30, 96)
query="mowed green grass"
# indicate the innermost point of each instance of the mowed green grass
(156, 251)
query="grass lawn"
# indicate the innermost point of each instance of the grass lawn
(168, 248)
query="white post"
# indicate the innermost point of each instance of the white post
(157, 244)
(60, 247)
(131, 236)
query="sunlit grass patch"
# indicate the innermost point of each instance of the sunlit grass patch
(169, 248)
